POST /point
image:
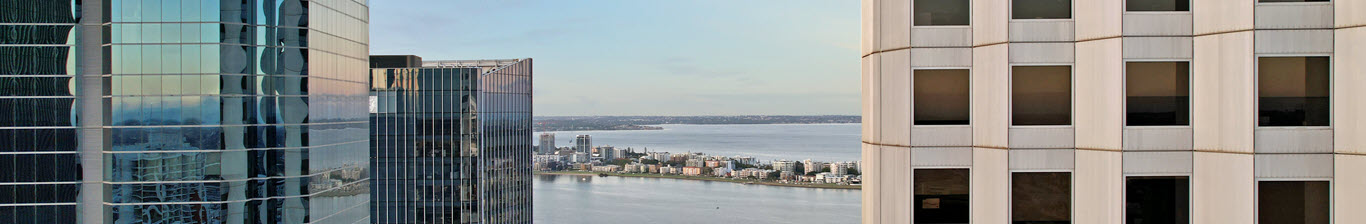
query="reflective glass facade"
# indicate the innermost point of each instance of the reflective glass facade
(452, 144)
(211, 111)
(39, 176)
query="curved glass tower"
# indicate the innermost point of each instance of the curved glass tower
(166, 111)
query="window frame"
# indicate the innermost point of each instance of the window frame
(1189, 6)
(1190, 194)
(913, 114)
(1190, 90)
(1072, 12)
(1257, 193)
(969, 17)
(967, 169)
(1071, 194)
(1072, 93)
(1257, 89)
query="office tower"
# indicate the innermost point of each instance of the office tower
(395, 61)
(183, 111)
(1110, 111)
(583, 143)
(547, 144)
(451, 142)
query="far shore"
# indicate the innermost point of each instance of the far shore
(702, 178)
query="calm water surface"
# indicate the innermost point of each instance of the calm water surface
(824, 142)
(591, 199)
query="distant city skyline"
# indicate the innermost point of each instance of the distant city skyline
(648, 57)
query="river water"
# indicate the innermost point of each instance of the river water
(592, 199)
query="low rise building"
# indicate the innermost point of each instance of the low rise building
(692, 171)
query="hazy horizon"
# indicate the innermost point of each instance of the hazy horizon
(648, 58)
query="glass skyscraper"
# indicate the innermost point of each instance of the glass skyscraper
(183, 111)
(451, 142)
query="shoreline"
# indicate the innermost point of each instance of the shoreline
(681, 177)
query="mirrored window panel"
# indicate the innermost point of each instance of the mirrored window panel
(1041, 198)
(941, 196)
(1041, 9)
(1041, 95)
(1158, 93)
(1293, 202)
(941, 13)
(1293, 91)
(1157, 5)
(1157, 200)
(941, 97)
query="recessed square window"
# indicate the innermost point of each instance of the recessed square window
(1041, 9)
(1293, 202)
(941, 13)
(941, 97)
(1274, 1)
(1041, 198)
(1293, 91)
(1041, 95)
(1157, 93)
(1157, 200)
(941, 196)
(1157, 5)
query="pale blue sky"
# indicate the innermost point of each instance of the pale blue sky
(651, 57)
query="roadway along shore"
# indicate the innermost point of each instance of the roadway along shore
(681, 177)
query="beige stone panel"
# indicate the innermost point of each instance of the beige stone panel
(1217, 16)
(895, 85)
(1349, 76)
(990, 96)
(871, 89)
(990, 21)
(871, 190)
(1223, 111)
(867, 27)
(1347, 13)
(1099, 98)
(1098, 196)
(990, 190)
(1098, 18)
(894, 24)
(1222, 189)
(1349, 189)
(895, 185)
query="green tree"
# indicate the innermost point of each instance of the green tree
(773, 176)
(649, 161)
(853, 171)
(798, 168)
(620, 162)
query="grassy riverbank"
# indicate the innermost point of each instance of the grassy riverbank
(681, 177)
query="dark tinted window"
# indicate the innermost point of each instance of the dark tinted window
(941, 12)
(1041, 95)
(1157, 200)
(1041, 9)
(1158, 93)
(941, 196)
(1157, 5)
(1041, 198)
(1292, 202)
(941, 97)
(1293, 91)
(1292, 0)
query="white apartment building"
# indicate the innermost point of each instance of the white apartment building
(1114, 111)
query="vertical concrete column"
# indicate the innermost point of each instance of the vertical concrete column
(90, 112)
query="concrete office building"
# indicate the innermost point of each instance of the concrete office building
(583, 143)
(183, 111)
(451, 142)
(1114, 111)
(547, 143)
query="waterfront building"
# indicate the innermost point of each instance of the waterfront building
(138, 112)
(840, 168)
(579, 157)
(784, 166)
(547, 143)
(720, 172)
(451, 142)
(692, 171)
(695, 162)
(713, 163)
(607, 153)
(746, 160)
(812, 166)
(1114, 111)
(583, 143)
